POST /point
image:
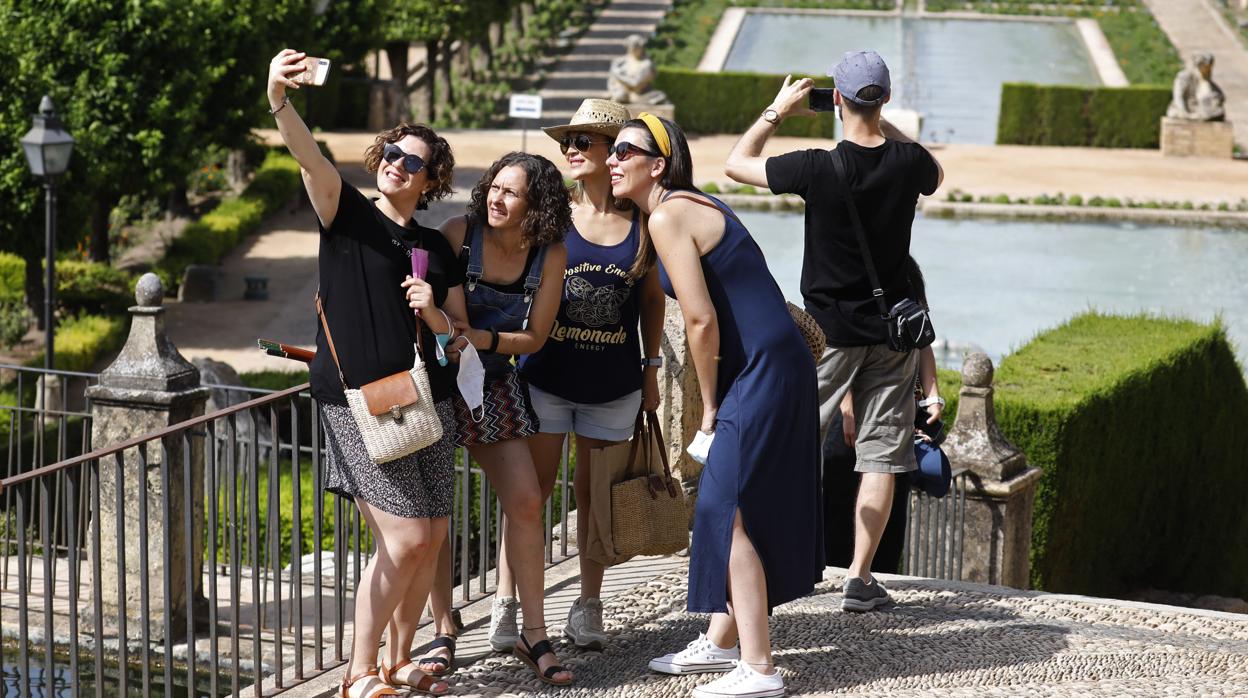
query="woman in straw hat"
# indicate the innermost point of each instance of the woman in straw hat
(592, 376)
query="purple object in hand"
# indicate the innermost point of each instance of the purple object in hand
(420, 265)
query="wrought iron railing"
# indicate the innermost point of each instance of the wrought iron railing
(272, 595)
(935, 528)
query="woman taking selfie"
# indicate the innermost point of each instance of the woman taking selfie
(756, 535)
(588, 379)
(364, 262)
(511, 249)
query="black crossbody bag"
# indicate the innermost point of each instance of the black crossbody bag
(909, 324)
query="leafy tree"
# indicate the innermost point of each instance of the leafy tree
(427, 21)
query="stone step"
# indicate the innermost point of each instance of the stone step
(589, 62)
(617, 32)
(622, 17)
(566, 104)
(594, 47)
(552, 94)
(588, 82)
(638, 6)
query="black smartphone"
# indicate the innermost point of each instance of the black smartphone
(821, 99)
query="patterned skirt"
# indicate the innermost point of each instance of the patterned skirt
(417, 486)
(506, 413)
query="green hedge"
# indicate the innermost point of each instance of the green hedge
(1102, 117)
(81, 340)
(207, 240)
(12, 278)
(1138, 425)
(731, 102)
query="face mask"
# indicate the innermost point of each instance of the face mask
(471, 380)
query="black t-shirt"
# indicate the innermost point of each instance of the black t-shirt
(885, 182)
(363, 260)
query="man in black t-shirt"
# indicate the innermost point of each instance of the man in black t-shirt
(886, 173)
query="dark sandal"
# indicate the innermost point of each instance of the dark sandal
(530, 654)
(424, 684)
(384, 690)
(448, 663)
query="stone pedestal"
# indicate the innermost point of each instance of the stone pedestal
(667, 111)
(148, 387)
(1206, 139)
(1000, 488)
(680, 407)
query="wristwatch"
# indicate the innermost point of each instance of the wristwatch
(656, 361)
(938, 400)
(771, 116)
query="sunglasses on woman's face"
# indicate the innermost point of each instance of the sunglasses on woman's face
(625, 150)
(393, 153)
(581, 141)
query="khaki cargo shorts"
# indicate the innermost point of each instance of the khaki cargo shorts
(883, 387)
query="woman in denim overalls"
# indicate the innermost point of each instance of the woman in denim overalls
(512, 242)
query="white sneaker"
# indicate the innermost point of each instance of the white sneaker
(700, 657)
(503, 631)
(584, 626)
(743, 682)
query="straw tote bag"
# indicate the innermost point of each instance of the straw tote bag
(395, 415)
(648, 512)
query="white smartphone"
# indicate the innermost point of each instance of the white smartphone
(315, 71)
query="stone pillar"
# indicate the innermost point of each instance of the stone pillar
(148, 387)
(680, 407)
(1000, 488)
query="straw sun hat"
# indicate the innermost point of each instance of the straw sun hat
(601, 116)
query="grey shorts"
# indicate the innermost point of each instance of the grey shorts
(883, 387)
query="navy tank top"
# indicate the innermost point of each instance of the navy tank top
(593, 354)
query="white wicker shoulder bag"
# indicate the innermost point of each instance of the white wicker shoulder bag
(396, 414)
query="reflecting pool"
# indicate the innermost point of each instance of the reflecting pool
(996, 284)
(950, 70)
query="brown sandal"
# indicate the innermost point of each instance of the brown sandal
(384, 690)
(423, 685)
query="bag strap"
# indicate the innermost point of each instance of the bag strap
(329, 337)
(838, 163)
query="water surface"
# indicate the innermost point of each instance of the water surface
(950, 70)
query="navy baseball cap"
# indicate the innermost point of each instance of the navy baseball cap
(859, 69)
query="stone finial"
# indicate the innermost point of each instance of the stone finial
(976, 442)
(149, 292)
(149, 363)
(977, 371)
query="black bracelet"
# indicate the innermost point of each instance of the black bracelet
(493, 341)
(285, 101)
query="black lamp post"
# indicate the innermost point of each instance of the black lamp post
(48, 149)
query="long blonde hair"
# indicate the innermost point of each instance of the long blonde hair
(645, 258)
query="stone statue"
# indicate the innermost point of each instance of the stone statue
(631, 75)
(1196, 96)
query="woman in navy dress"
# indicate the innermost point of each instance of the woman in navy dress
(757, 535)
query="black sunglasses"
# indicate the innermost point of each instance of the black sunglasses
(393, 153)
(625, 150)
(581, 141)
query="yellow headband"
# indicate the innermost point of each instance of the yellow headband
(659, 133)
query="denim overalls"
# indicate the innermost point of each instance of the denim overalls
(490, 308)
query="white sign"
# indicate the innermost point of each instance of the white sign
(525, 107)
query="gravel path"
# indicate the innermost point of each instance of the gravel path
(939, 639)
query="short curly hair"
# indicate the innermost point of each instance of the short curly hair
(550, 210)
(441, 164)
